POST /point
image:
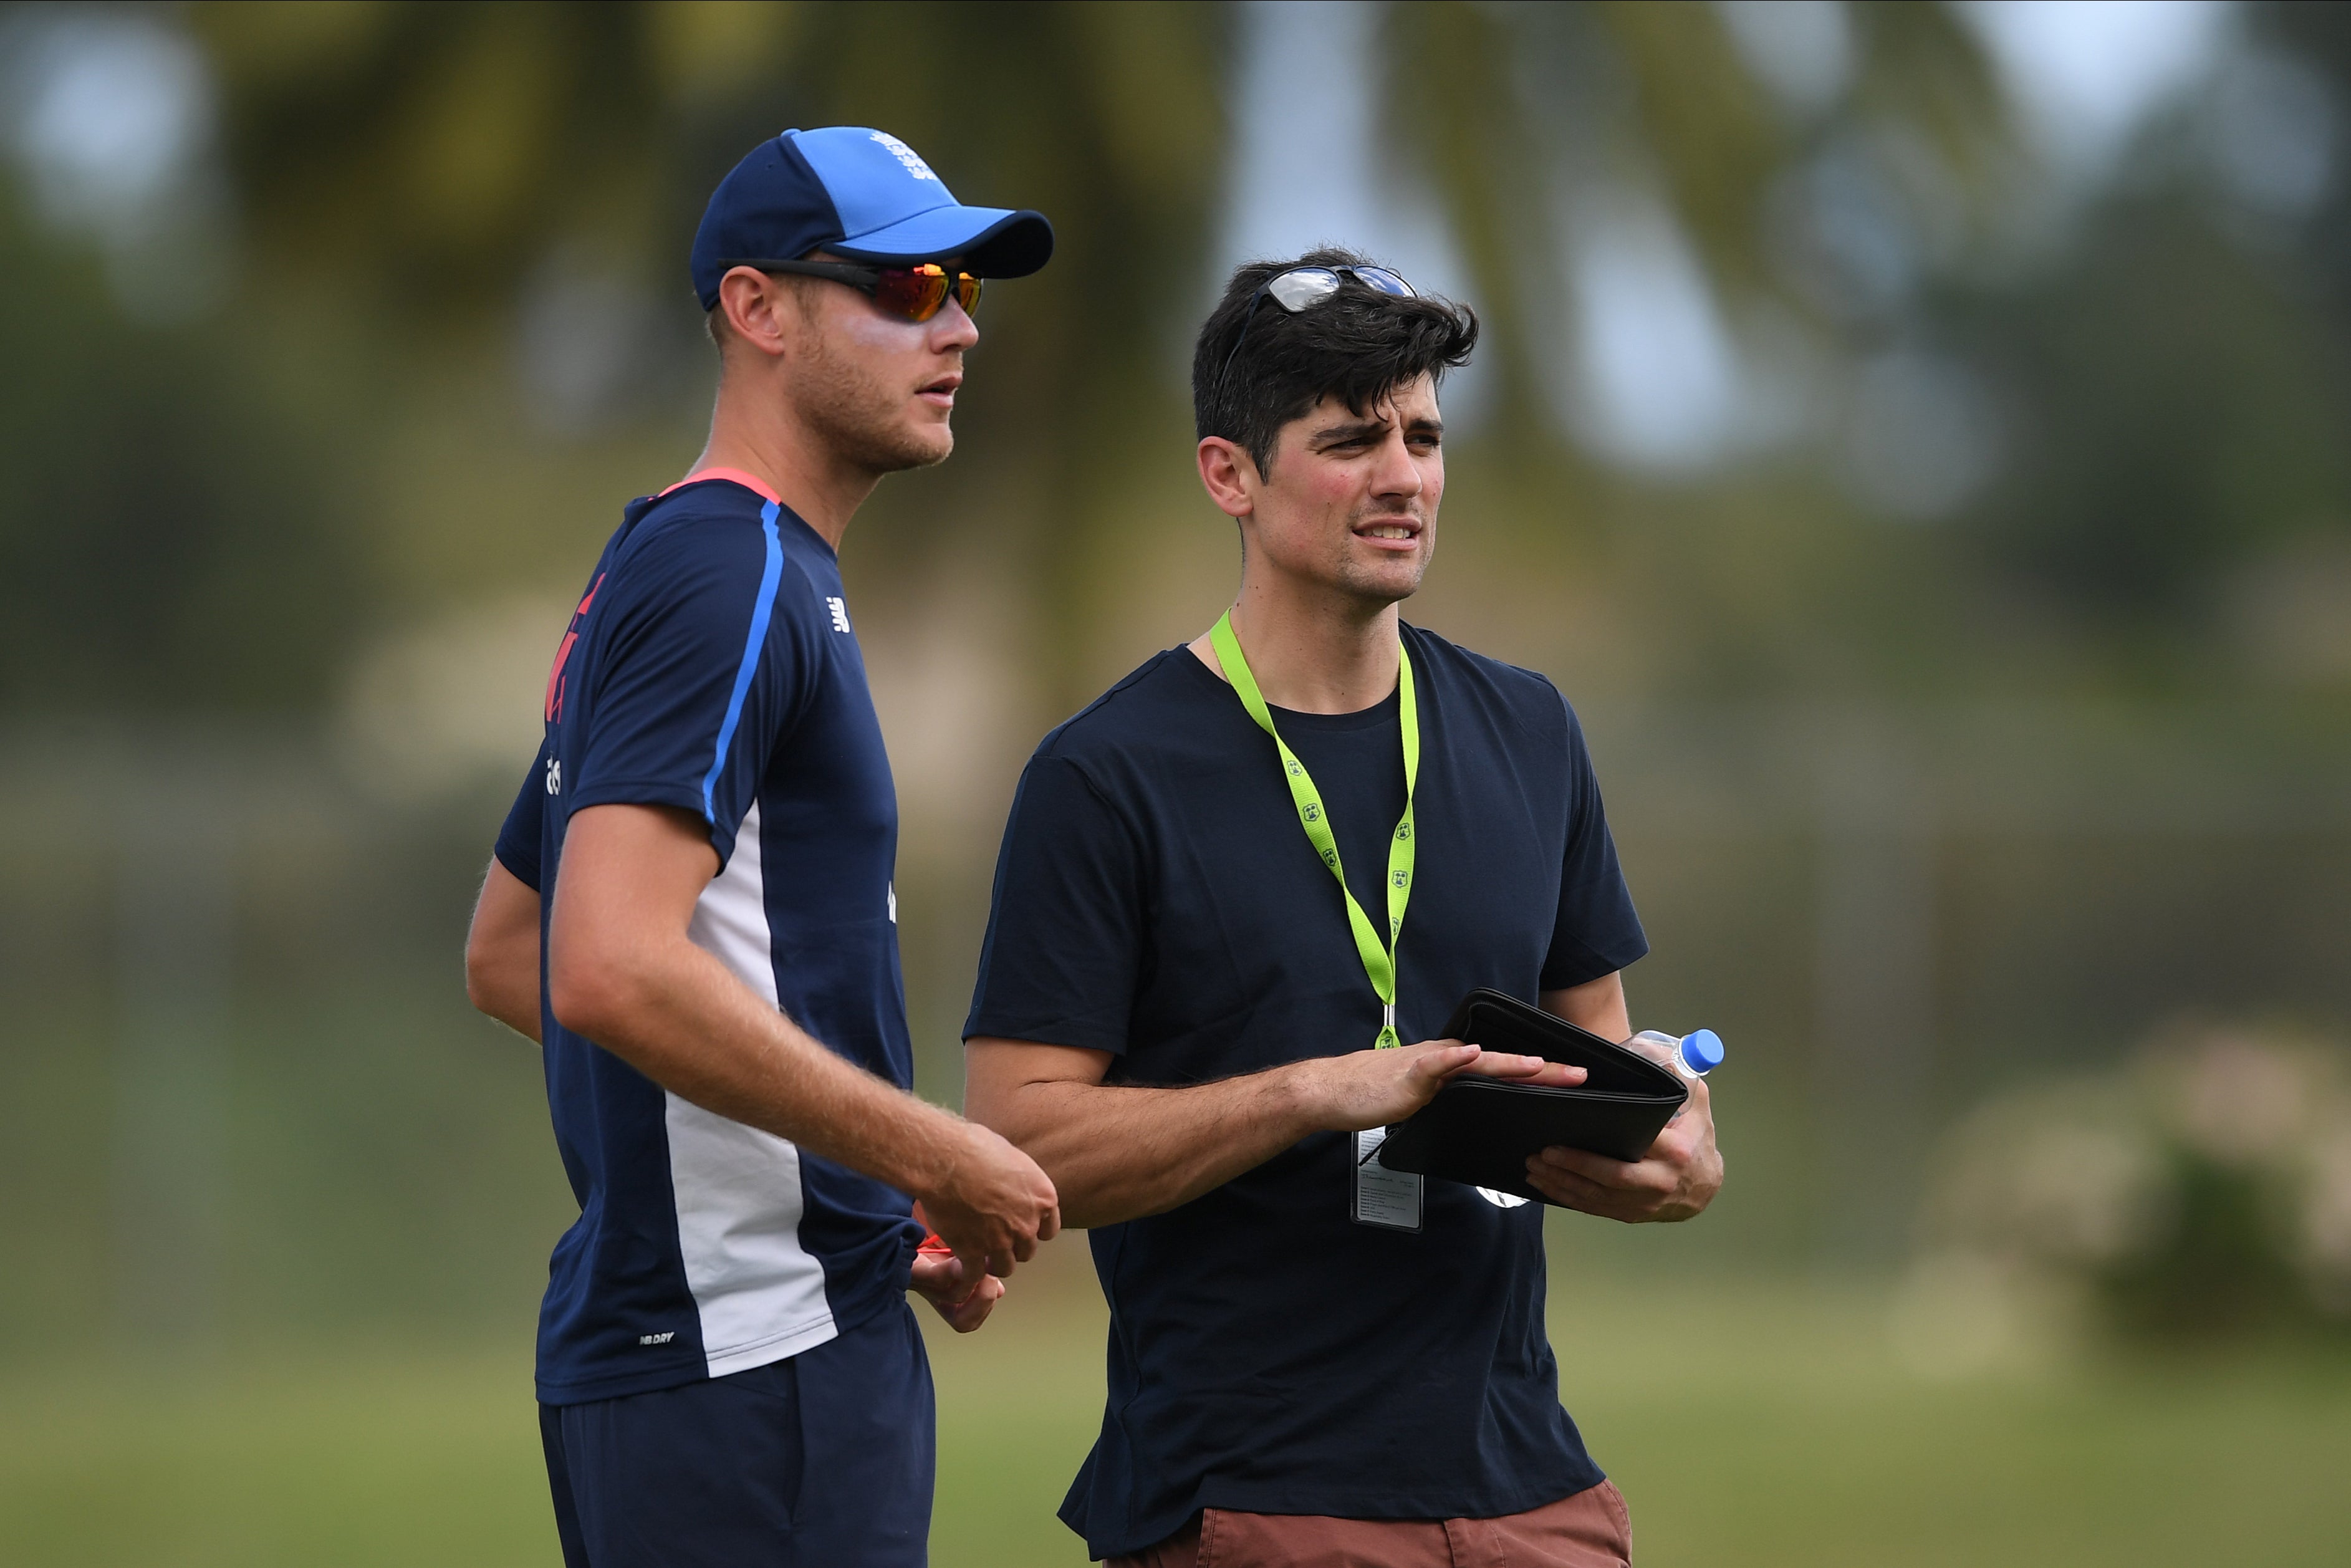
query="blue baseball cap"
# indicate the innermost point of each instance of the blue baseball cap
(860, 194)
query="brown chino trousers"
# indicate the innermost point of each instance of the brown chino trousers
(1589, 1530)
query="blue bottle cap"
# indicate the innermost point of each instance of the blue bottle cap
(1702, 1051)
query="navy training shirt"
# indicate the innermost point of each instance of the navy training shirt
(711, 667)
(1157, 899)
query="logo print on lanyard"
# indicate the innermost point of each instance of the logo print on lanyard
(1379, 957)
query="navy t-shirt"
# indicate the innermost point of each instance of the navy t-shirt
(711, 667)
(1157, 899)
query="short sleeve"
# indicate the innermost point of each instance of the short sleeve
(698, 666)
(1065, 939)
(520, 839)
(1597, 932)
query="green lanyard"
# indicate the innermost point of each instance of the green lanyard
(1379, 958)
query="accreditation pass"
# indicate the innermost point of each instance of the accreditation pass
(1387, 1198)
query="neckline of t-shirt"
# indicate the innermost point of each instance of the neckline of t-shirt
(752, 482)
(1383, 712)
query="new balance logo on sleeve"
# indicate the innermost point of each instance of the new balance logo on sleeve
(840, 613)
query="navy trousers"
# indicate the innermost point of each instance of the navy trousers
(823, 1460)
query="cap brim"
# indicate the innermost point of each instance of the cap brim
(993, 242)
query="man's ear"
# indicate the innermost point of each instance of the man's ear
(1230, 474)
(758, 309)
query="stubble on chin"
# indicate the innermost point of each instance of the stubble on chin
(1386, 581)
(862, 417)
(1383, 586)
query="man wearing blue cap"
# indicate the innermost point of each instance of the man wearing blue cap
(728, 1372)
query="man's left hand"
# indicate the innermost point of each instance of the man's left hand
(938, 1279)
(1675, 1180)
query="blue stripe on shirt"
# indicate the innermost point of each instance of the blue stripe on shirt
(760, 610)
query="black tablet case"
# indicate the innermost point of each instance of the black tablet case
(1481, 1131)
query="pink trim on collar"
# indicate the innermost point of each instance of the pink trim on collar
(750, 482)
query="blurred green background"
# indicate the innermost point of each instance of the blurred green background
(1914, 435)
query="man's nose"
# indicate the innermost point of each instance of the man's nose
(953, 328)
(1396, 473)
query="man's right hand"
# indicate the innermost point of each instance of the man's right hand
(993, 1206)
(1377, 1088)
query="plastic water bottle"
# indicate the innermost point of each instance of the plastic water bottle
(1693, 1056)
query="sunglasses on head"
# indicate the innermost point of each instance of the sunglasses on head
(916, 293)
(1303, 286)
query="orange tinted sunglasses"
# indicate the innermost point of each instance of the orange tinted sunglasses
(916, 293)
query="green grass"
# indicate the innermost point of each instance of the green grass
(1750, 1426)
(387, 1459)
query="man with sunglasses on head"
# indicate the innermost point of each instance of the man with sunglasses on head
(1191, 1013)
(728, 1372)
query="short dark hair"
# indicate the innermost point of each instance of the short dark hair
(1357, 346)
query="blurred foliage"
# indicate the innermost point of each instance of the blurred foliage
(2201, 1194)
(420, 194)
(2196, 416)
(433, 156)
(1502, 97)
(427, 161)
(168, 539)
(2178, 369)
(403, 179)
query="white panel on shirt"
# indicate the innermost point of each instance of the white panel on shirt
(759, 1293)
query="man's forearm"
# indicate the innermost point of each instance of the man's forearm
(511, 998)
(502, 952)
(1116, 1152)
(1597, 1005)
(677, 1015)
